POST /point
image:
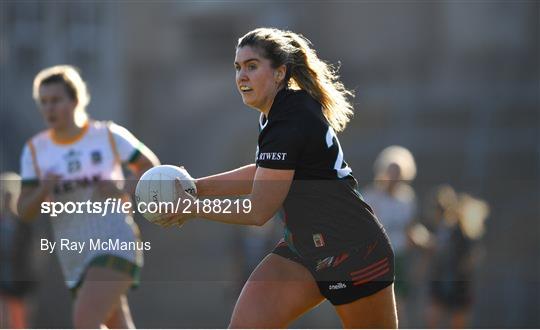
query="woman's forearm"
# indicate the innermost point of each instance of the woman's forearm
(267, 195)
(237, 182)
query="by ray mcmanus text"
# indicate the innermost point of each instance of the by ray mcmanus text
(93, 245)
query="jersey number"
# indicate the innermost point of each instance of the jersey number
(332, 139)
(74, 166)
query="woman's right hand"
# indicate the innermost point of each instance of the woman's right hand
(177, 219)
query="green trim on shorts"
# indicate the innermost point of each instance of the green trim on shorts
(115, 263)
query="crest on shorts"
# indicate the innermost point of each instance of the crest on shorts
(318, 240)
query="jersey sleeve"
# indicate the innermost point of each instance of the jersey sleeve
(280, 146)
(127, 145)
(28, 168)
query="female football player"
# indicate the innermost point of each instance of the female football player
(78, 159)
(334, 247)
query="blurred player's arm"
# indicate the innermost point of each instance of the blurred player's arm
(237, 182)
(35, 188)
(145, 160)
(133, 154)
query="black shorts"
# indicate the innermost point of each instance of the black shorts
(350, 275)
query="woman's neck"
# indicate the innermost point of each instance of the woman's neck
(266, 109)
(69, 133)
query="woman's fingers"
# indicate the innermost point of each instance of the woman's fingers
(180, 192)
(169, 224)
(164, 219)
(174, 219)
(169, 219)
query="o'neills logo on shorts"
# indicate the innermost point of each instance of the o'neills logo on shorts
(318, 240)
(272, 156)
(337, 286)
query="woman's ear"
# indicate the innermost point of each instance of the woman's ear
(279, 74)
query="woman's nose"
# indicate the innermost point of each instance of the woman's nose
(242, 75)
(47, 107)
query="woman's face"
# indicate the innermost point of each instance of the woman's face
(393, 172)
(57, 108)
(256, 80)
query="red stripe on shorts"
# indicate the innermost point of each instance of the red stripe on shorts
(371, 272)
(358, 272)
(386, 270)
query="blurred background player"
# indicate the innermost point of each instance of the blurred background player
(16, 276)
(78, 159)
(457, 226)
(394, 202)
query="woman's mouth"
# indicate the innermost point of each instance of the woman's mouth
(245, 89)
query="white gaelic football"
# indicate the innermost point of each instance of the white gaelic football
(157, 186)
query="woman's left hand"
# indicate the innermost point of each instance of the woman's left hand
(177, 219)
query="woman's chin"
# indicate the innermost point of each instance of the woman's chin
(247, 102)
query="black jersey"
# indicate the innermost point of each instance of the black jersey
(323, 211)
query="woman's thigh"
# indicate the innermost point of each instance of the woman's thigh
(375, 311)
(277, 292)
(99, 296)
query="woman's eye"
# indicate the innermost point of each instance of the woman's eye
(252, 67)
